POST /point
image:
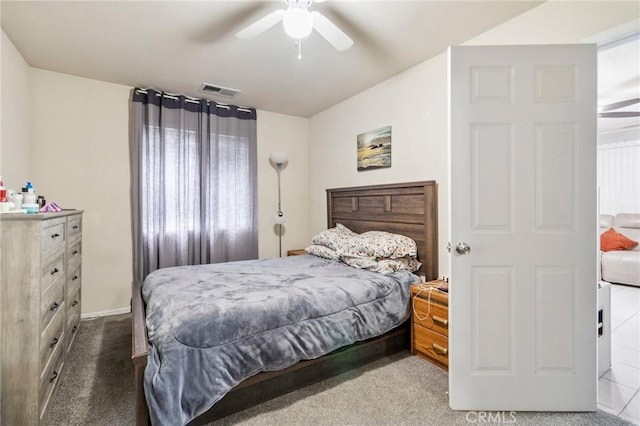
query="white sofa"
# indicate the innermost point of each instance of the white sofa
(622, 267)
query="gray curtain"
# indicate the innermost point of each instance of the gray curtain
(193, 182)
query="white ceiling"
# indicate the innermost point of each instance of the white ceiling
(619, 80)
(176, 46)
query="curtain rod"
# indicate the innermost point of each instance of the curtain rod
(192, 100)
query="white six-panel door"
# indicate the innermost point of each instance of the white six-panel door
(523, 198)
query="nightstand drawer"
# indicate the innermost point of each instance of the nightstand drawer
(431, 315)
(431, 344)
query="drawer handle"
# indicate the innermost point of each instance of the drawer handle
(75, 252)
(54, 342)
(75, 302)
(75, 277)
(54, 306)
(439, 349)
(74, 329)
(53, 376)
(55, 271)
(75, 227)
(54, 236)
(441, 321)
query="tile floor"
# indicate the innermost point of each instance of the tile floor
(619, 388)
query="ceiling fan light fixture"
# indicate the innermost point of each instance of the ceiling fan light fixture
(297, 22)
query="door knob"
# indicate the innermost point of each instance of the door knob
(463, 248)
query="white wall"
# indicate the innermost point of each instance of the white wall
(14, 122)
(14, 144)
(414, 103)
(619, 177)
(80, 159)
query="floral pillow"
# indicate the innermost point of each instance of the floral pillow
(384, 266)
(381, 245)
(322, 251)
(334, 238)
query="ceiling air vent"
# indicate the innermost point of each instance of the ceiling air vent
(227, 92)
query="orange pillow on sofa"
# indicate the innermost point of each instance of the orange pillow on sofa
(612, 240)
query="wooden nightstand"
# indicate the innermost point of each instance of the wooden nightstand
(296, 252)
(430, 323)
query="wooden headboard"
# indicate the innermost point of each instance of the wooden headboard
(409, 209)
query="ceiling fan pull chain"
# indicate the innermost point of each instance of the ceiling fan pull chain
(299, 49)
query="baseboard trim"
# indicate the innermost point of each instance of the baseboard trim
(119, 311)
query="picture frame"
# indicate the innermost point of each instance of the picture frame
(374, 149)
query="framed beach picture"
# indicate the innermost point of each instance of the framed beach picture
(374, 149)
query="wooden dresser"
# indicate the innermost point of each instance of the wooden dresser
(430, 323)
(41, 261)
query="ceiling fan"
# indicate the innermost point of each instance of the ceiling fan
(298, 23)
(605, 111)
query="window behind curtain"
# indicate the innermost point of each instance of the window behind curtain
(194, 182)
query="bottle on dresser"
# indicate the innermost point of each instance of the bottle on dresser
(29, 200)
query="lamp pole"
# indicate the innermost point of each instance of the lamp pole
(279, 159)
(279, 213)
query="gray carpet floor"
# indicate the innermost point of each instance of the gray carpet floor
(97, 389)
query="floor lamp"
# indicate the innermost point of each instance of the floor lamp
(279, 159)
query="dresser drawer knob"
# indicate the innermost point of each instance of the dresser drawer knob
(53, 376)
(74, 329)
(55, 271)
(439, 349)
(54, 306)
(75, 227)
(441, 321)
(75, 252)
(54, 342)
(75, 277)
(75, 302)
(54, 236)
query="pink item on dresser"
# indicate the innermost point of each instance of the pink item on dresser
(50, 207)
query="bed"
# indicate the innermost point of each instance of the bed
(409, 209)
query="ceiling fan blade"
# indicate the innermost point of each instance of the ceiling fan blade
(618, 105)
(619, 114)
(261, 25)
(328, 30)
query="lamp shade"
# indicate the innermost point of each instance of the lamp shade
(297, 22)
(278, 157)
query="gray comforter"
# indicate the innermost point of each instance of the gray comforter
(212, 326)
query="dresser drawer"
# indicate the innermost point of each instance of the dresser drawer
(51, 338)
(73, 304)
(433, 345)
(52, 302)
(74, 227)
(52, 272)
(53, 235)
(74, 255)
(49, 379)
(431, 315)
(74, 281)
(72, 327)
